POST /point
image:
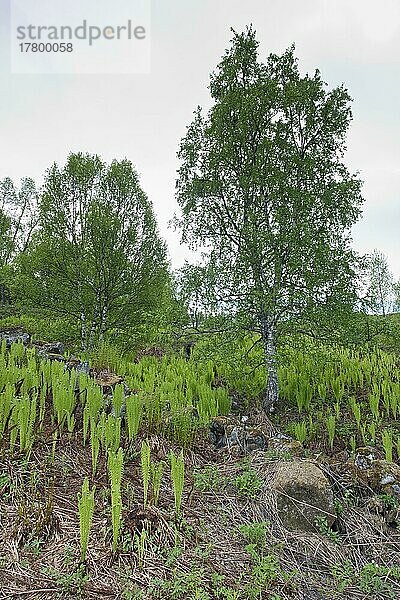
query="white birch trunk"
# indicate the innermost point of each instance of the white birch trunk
(271, 394)
(103, 323)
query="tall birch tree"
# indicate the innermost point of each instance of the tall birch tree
(265, 194)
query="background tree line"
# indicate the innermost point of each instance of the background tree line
(88, 250)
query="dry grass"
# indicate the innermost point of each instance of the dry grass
(39, 530)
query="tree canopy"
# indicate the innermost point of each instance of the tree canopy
(97, 256)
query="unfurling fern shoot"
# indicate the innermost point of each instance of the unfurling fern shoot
(146, 469)
(156, 475)
(94, 444)
(86, 509)
(134, 413)
(115, 468)
(178, 480)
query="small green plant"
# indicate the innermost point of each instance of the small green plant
(26, 422)
(300, 431)
(134, 414)
(6, 485)
(63, 399)
(339, 508)
(118, 399)
(178, 480)
(182, 585)
(228, 593)
(156, 476)
(248, 484)
(356, 410)
(145, 462)
(94, 403)
(374, 398)
(303, 393)
(277, 454)
(344, 575)
(72, 583)
(207, 478)
(112, 433)
(338, 388)
(172, 555)
(135, 594)
(69, 555)
(372, 432)
(34, 545)
(322, 524)
(389, 501)
(94, 444)
(265, 571)
(256, 534)
(373, 578)
(140, 546)
(331, 427)
(387, 441)
(204, 552)
(86, 509)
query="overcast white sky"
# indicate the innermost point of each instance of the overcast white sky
(143, 117)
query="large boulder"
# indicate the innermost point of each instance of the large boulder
(303, 496)
(242, 435)
(226, 431)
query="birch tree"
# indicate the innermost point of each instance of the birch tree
(18, 220)
(97, 257)
(5, 248)
(381, 293)
(20, 205)
(265, 195)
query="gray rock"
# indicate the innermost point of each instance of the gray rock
(50, 350)
(83, 368)
(72, 363)
(50, 356)
(54, 348)
(386, 479)
(303, 496)
(376, 473)
(238, 433)
(13, 336)
(285, 445)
